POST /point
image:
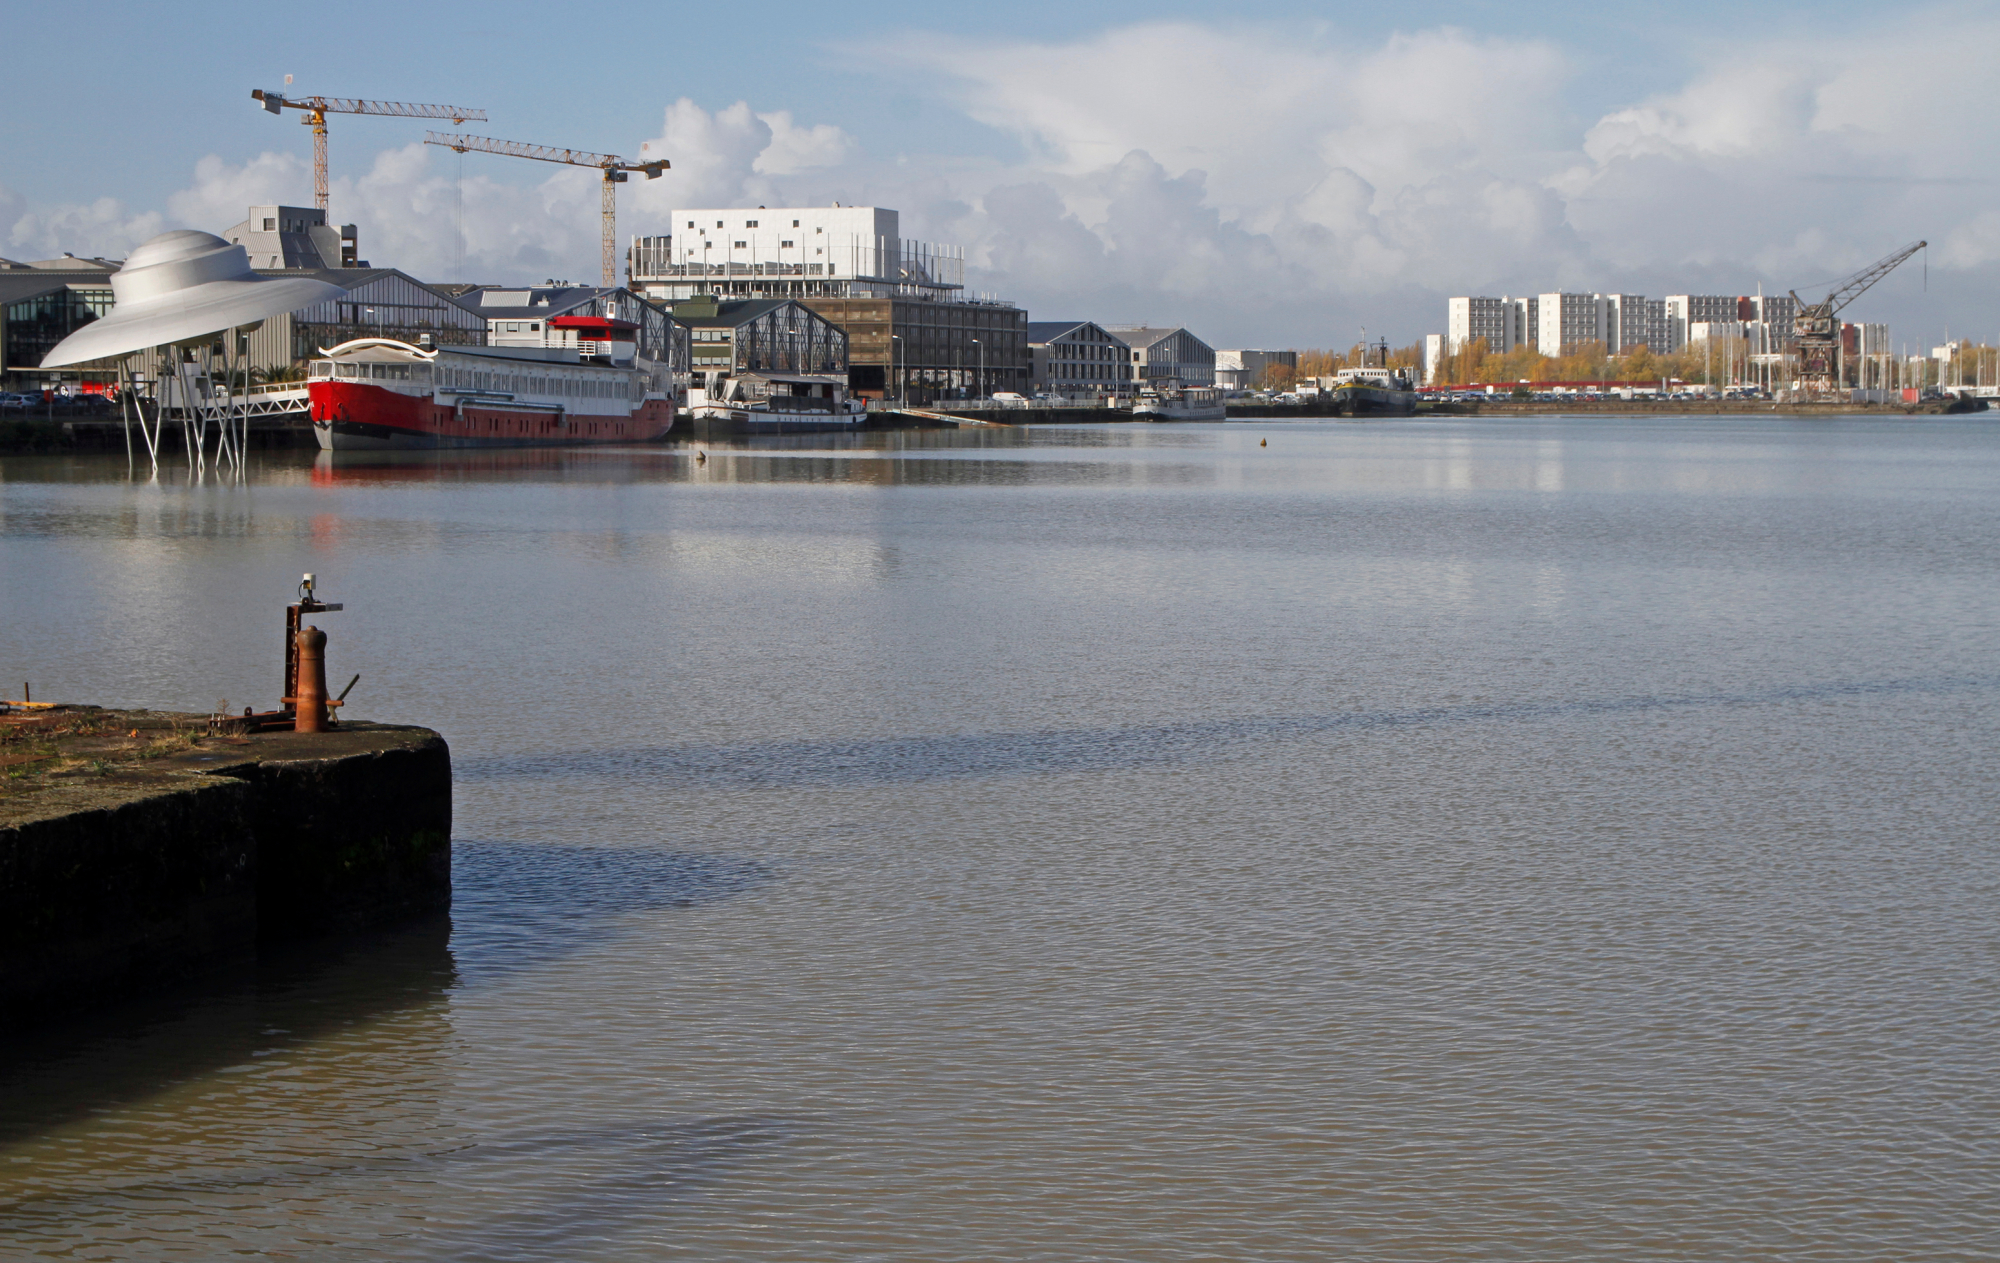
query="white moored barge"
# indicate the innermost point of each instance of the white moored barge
(377, 393)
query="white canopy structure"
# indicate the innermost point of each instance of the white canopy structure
(183, 288)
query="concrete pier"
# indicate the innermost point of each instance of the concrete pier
(137, 848)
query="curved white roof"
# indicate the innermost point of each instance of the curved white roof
(180, 286)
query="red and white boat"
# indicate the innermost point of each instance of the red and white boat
(373, 394)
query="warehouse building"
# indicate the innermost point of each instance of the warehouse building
(40, 305)
(1076, 357)
(1166, 357)
(730, 337)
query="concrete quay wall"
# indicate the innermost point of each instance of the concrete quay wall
(113, 883)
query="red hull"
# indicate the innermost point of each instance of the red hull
(353, 416)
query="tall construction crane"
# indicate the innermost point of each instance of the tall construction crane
(614, 167)
(1818, 333)
(318, 107)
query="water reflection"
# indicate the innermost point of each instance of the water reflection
(278, 1005)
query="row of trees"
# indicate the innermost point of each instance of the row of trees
(1321, 362)
(1718, 363)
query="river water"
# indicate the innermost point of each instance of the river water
(1523, 840)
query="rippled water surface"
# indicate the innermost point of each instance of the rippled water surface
(1411, 841)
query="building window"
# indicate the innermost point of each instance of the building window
(784, 245)
(690, 223)
(270, 225)
(749, 223)
(718, 223)
(742, 245)
(795, 223)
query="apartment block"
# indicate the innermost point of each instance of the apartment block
(1570, 320)
(1469, 319)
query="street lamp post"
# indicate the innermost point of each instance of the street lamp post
(980, 384)
(894, 349)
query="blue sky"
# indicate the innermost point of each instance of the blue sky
(1279, 175)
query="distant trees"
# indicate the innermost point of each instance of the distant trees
(1699, 363)
(1321, 362)
(1279, 377)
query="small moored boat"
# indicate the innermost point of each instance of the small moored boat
(1179, 403)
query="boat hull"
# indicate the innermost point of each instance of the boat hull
(1179, 412)
(355, 416)
(1366, 401)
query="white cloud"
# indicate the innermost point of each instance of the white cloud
(1347, 178)
(104, 227)
(793, 148)
(1974, 243)
(220, 193)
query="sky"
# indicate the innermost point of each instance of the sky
(1284, 174)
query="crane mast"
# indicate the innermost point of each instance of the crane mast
(615, 171)
(1818, 332)
(316, 108)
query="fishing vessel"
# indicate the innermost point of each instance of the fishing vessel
(1179, 403)
(373, 394)
(1375, 392)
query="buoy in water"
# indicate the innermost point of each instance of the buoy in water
(1263, 442)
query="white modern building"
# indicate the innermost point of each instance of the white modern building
(793, 252)
(293, 237)
(913, 331)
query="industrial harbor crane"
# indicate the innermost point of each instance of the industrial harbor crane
(1818, 332)
(615, 171)
(318, 107)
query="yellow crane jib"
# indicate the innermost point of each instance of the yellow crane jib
(316, 108)
(615, 171)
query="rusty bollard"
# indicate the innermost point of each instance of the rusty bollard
(311, 704)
